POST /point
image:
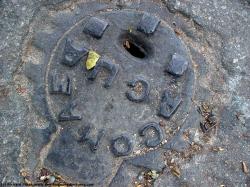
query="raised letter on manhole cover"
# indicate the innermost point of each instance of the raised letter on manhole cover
(114, 115)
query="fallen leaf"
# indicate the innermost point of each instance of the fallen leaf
(92, 59)
(176, 171)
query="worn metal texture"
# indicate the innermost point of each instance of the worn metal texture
(167, 103)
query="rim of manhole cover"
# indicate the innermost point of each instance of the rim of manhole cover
(118, 110)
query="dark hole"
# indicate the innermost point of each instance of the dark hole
(134, 49)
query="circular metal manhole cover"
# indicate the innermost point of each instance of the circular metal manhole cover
(118, 110)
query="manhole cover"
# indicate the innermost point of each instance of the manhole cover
(118, 111)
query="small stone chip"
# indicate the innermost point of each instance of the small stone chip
(92, 59)
(42, 178)
(178, 65)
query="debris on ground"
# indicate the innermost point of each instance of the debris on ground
(92, 59)
(146, 179)
(244, 167)
(209, 119)
(48, 177)
(191, 151)
(178, 31)
(176, 171)
(153, 174)
(217, 149)
(171, 163)
(126, 44)
(26, 177)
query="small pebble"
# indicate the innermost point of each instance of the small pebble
(51, 179)
(154, 175)
(141, 176)
(42, 178)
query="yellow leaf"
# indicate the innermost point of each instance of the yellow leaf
(92, 59)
